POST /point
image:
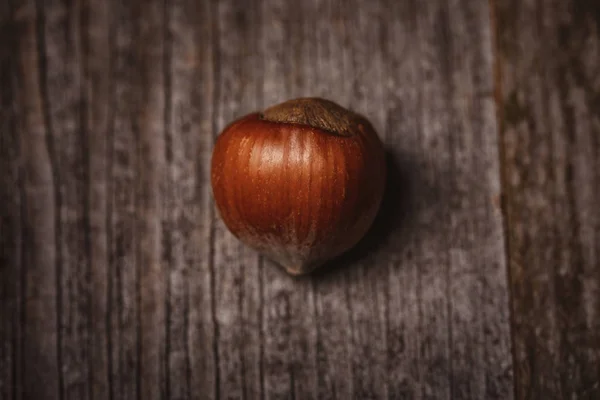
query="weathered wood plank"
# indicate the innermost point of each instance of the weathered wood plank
(367, 286)
(151, 172)
(138, 174)
(432, 256)
(450, 139)
(192, 363)
(41, 361)
(10, 212)
(481, 349)
(397, 220)
(62, 55)
(548, 55)
(98, 112)
(123, 234)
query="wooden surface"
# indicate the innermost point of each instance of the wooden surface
(118, 280)
(549, 60)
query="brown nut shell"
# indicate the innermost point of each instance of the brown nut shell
(301, 182)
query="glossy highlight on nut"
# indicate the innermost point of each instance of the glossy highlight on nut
(300, 182)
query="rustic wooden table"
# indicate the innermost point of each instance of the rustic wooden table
(479, 280)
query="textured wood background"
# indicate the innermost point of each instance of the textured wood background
(479, 280)
(548, 55)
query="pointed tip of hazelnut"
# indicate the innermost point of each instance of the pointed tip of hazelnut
(317, 113)
(294, 270)
(298, 269)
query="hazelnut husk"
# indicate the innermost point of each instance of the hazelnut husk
(300, 182)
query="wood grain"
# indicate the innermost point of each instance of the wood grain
(118, 278)
(41, 358)
(122, 202)
(11, 260)
(191, 342)
(97, 115)
(549, 91)
(61, 53)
